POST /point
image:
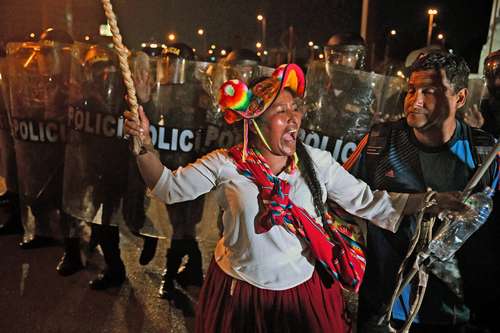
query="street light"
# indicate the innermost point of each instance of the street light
(203, 36)
(431, 12)
(392, 34)
(441, 38)
(213, 47)
(262, 19)
(258, 45)
(171, 37)
(311, 50)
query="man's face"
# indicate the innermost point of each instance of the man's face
(431, 100)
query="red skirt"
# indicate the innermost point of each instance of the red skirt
(316, 305)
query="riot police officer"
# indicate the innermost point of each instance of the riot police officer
(39, 92)
(351, 106)
(183, 216)
(101, 166)
(173, 105)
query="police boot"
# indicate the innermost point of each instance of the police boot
(42, 212)
(71, 261)
(148, 249)
(192, 275)
(114, 274)
(93, 242)
(174, 260)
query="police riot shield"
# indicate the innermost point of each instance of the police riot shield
(38, 75)
(343, 103)
(96, 159)
(176, 106)
(7, 155)
(477, 93)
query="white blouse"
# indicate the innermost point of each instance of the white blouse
(276, 259)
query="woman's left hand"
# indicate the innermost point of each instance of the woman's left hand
(137, 126)
(447, 201)
(438, 202)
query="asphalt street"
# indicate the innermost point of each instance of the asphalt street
(34, 298)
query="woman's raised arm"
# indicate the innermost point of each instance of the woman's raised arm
(149, 164)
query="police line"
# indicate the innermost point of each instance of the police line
(164, 138)
(111, 126)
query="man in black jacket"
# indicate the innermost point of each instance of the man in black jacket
(429, 149)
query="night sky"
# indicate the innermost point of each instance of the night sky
(463, 22)
(233, 23)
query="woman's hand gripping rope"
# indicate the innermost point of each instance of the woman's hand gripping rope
(138, 126)
(148, 160)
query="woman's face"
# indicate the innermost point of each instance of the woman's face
(280, 124)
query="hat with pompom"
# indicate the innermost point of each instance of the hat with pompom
(240, 102)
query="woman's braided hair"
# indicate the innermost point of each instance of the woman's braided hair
(306, 166)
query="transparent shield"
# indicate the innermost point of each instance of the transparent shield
(177, 109)
(38, 89)
(477, 92)
(344, 103)
(96, 156)
(38, 93)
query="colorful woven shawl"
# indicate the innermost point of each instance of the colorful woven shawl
(336, 251)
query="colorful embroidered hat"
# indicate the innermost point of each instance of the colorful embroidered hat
(240, 102)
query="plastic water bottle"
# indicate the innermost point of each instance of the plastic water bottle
(462, 225)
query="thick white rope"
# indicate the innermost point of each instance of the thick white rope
(124, 66)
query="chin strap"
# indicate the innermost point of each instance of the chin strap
(245, 140)
(262, 138)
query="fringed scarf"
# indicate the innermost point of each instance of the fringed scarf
(341, 256)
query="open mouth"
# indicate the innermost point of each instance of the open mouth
(290, 135)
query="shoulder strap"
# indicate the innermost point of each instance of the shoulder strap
(377, 143)
(482, 143)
